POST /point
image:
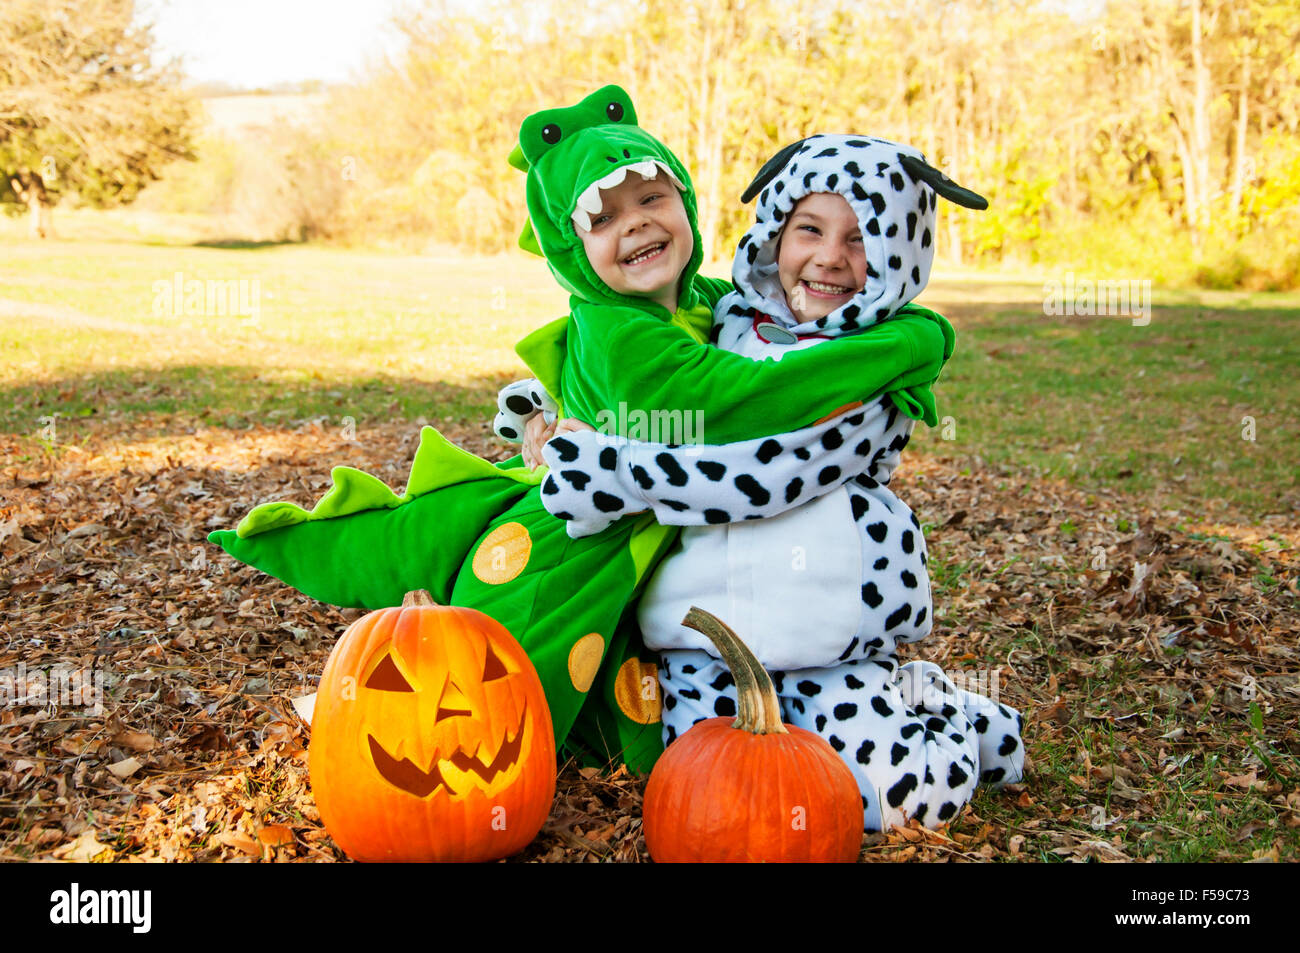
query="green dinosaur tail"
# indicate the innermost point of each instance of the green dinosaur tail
(476, 534)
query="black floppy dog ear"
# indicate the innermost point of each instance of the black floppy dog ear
(771, 169)
(921, 171)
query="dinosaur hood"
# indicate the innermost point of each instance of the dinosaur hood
(570, 154)
(895, 211)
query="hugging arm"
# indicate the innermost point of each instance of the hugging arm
(648, 366)
(596, 479)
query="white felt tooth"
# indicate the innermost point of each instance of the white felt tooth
(589, 203)
(590, 200)
(614, 179)
(669, 172)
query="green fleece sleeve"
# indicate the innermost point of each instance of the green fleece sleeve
(713, 290)
(641, 364)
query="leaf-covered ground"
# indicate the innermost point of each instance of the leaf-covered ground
(1155, 658)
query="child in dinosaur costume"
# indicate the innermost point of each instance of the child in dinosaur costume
(476, 534)
(801, 546)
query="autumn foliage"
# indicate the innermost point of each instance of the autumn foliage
(1154, 137)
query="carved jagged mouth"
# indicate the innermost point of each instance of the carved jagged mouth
(406, 775)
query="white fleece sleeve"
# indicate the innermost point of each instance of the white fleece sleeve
(596, 479)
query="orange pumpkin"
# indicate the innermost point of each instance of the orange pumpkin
(431, 738)
(750, 790)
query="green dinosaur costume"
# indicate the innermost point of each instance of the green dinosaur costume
(476, 534)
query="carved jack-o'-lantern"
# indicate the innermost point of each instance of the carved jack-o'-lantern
(431, 738)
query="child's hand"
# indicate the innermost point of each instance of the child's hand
(537, 432)
(571, 425)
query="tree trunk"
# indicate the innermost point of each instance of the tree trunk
(953, 165)
(1191, 196)
(30, 189)
(1199, 144)
(706, 120)
(1239, 154)
(1183, 118)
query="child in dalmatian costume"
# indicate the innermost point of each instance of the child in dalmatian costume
(797, 542)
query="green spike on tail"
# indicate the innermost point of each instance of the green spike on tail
(354, 491)
(438, 463)
(363, 546)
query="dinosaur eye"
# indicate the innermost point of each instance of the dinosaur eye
(614, 111)
(551, 133)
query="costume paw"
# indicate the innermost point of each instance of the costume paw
(925, 687)
(583, 486)
(1001, 741)
(517, 403)
(998, 727)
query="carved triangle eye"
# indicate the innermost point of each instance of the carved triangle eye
(493, 667)
(387, 678)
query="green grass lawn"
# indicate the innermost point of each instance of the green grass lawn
(1165, 409)
(1197, 408)
(335, 333)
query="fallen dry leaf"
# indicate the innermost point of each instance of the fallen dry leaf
(1056, 712)
(1247, 780)
(135, 740)
(275, 835)
(241, 842)
(125, 768)
(82, 850)
(305, 706)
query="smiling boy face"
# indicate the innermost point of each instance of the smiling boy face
(821, 260)
(640, 241)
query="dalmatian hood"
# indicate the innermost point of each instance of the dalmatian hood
(893, 192)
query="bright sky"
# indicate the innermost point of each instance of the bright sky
(252, 43)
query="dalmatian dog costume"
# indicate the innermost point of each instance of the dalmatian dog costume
(796, 541)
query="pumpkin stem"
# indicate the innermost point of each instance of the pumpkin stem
(418, 597)
(758, 710)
